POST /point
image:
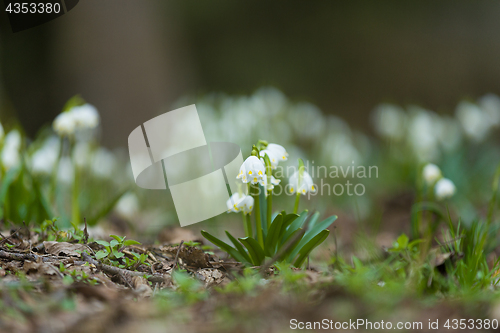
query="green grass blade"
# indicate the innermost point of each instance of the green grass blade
(312, 221)
(310, 234)
(273, 236)
(239, 247)
(309, 246)
(253, 247)
(298, 223)
(224, 246)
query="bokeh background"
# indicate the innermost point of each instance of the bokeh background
(134, 59)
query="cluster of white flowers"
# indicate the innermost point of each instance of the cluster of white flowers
(301, 127)
(443, 187)
(428, 134)
(240, 202)
(11, 157)
(77, 118)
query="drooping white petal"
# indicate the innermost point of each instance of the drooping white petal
(306, 184)
(444, 189)
(65, 124)
(278, 150)
(431, 173)
(11, 157)
(85, 116)
(252, 170)
(240, 203)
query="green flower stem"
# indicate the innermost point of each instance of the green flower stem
(269, 193)
(258, 221)
(248, 224)
(296, 207)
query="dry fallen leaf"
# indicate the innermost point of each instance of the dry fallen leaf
(64, 248)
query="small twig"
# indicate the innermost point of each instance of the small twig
(85, 232)
(5, 239)
(123, 277)
(55, 270)
(177, 255)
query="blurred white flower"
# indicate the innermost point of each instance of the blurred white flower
(490, 103)
(85, 116)
(423, 134)
(11, 157)
(128, 206)
(103, 163)
(252, 170)
(450, 135)
(64, 124)
(240, 203)
(77, 118)
(303, 185)
(390, 121)
(444, 189)
(431, 173)
(307, 121)
(1, 132)
(44, 159)
(475, 122)
(65, 173)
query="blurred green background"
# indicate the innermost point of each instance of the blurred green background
(134, 59)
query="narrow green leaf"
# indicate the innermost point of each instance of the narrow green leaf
(309, 246)
(117, 238)
(297, 223)
(225, 247)
(312, 221)
(273, 236)
(310, 234)
(254, 249)
(263, 210)
(239, 247)
(292, 246)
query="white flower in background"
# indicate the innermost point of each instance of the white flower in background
(103, 163)
(81, 154)
(11, 157)
(305, 185)
(423, 134)
(491, 105)
(85, 116)
(475, 122)
(431, 173)
(44, 159)
(252, 170)
(128, 206)
(444, 189)
(307, 120)
(390, 121)
(65, 173)
(450, 135)
(64, 124)
(240, 203)
(77, 118)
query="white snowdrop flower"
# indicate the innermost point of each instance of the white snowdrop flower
(277, 150)
(491, 105)
(103, 163)
(11, 157)
(431, 173)
(65, 173)
(252, 170)
(64, 124)
(475, 122)
(390, 121)
(85, 116)
(444, 189)
(44, 159)
(305, 185)
(240, 203)
(127, 206)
